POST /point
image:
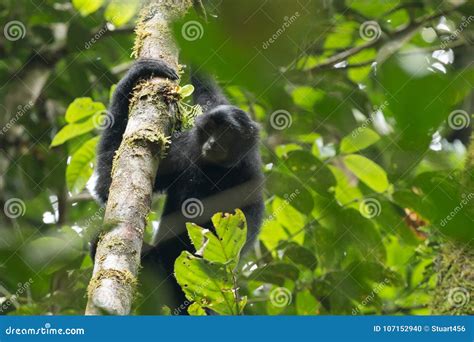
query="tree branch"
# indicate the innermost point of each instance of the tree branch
(389, 47)
(117, 260)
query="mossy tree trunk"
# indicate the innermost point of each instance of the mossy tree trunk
(112, 287)
(454, 293)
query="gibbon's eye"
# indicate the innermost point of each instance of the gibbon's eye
(203, 135)
(210, 127)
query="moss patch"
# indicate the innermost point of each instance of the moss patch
(171, 10)
(454, 292)
(167, 90)
(140, 31)
(141, 138)
(118, 245)
(123, 277)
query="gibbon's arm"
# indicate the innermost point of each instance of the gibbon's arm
(118, 110)
(207, 93)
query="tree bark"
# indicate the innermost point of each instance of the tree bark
(454, 293)
(112, 287)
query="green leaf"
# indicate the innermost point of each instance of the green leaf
(418, 116)
(359, 74)
(289, 217)
(232, 233)
(422, 205)
(51, 253)
(342, 35)
(272, 233)
(283, 185)
(224, 247)
(389, 220)
(343, 228)
(345, 193)
(283, 150)
(367, 171)
(207, 283)
(195, 234)
(359, 139)
(196, 310)
(306, 97)
(87, 263)
(119, 12)
(186, 90)
(451, 201)
(353, 223)
(275, 273)
(300, 255)
(73, 130)
(310, 169)
(306, 304)
(86, 7)
(80, 170)
(82, 108)
(372, 8)
(362, 289)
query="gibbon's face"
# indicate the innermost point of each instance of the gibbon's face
(219, 150)
(222, 135)
(215, 141)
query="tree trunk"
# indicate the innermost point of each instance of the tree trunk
(111, 289)
(454, 293)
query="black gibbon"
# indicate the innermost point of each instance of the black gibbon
(213, 167)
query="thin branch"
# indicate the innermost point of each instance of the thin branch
(398, 35)
(343, 55)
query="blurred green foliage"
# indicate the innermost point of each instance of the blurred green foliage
(357, 102)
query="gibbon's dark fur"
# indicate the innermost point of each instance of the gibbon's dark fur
(213, 167)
